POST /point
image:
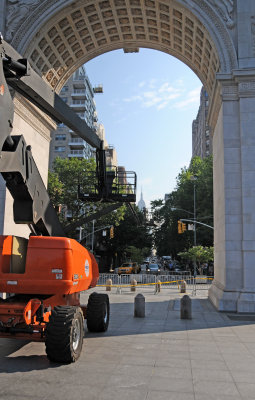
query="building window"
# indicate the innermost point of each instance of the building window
(60, 149)
(78, 101)
(79, 91)
(60, 136)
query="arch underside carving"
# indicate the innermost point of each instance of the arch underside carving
(82, 30)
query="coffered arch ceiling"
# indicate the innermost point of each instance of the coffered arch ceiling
(82, 30)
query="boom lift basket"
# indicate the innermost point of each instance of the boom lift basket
(120, 186)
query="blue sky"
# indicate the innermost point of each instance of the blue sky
(149, 102)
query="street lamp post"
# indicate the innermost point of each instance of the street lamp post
(194, 178)
(93, 231)
(80, 233)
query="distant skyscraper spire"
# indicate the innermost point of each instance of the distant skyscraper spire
(141, 203)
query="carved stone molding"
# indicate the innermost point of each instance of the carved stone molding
(208, 13)
(17, 11)
(229, 91)
(43, 9)
(225, 9)
(247, 89)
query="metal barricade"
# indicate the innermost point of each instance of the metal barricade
(104, 277)
(122, 283)
(201, 283)
(146, 283)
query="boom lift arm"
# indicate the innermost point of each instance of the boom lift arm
(32, 205)
(45, 275)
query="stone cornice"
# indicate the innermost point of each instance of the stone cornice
(241, 83)
(229, 91)
(231, 87)
(247, 89)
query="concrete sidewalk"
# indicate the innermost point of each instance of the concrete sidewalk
(157, 357)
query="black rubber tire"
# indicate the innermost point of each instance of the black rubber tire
(98, 312)
(64, 334)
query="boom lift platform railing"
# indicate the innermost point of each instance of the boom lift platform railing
(107, 183)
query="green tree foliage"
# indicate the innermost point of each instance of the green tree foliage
(199, 254)
(166, 215)
(55, 189)
(63, 185)
(130, 238)
(137, 254)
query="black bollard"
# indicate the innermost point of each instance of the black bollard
(139, 309)
(186, 307)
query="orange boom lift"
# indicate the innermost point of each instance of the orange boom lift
(44, 275)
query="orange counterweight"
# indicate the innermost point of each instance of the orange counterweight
(52, 265)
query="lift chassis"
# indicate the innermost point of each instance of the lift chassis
(44, 274)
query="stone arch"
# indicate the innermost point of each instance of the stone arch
(216, 39)
(60, 36)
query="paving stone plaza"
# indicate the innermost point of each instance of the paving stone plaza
(161, 356)
(211, 356)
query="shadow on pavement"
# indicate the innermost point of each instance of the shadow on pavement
(10, 364)
(160, 317)
(25, 364)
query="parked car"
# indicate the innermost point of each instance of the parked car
(129, 268)
(144, 268)
(153, 268)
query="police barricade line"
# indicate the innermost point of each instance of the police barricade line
(157, 281)
(123, 283)
(141, 278)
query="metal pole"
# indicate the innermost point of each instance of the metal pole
(195, 227)
(197, 222)
(80, 233)
(92, 244)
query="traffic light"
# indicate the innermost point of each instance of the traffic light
(179, 227)
(111, 232)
